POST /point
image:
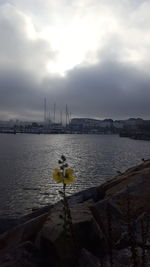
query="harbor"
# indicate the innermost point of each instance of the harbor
(134, 128)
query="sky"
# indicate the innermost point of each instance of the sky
(92, 55)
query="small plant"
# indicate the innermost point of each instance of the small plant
(65, 175)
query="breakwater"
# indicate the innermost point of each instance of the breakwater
(109, 223)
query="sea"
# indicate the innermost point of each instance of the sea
(27, 162)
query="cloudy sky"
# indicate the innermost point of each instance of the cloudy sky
(92, 55)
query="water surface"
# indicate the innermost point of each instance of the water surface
(27, 161)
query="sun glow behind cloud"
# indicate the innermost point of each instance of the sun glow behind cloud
(74, 41)
(72, 45)
(31, 33)
(78, 42)
(79, 32)
(101, 47)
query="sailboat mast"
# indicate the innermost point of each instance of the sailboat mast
(54, 111)
(66, 114)
(45, 109)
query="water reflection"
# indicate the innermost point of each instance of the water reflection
(27, 161)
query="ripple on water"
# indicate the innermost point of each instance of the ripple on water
(27, 162)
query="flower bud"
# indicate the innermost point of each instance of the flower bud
(63, 158)
(66, 165)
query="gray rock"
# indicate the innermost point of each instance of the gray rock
(122, 258)
(25, 255)
(110, 219)
(22, 232)
(87, 259)
(86, 232)
(94, 193)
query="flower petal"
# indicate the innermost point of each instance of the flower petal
(68, 172)
(57, 176)
(69, 180)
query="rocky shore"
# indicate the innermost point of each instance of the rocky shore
(111, 227)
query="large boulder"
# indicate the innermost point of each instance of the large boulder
(110, 219)
(102, 221)
(131, 188)
(21, 233)
(93, 193)
(133, 193)
(86, 233)
(26, 255)
(87, 259)
(120, 214)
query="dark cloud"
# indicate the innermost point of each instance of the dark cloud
(16, 49)
(22, 65)
(109, 88)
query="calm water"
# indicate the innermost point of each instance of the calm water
(27, 161)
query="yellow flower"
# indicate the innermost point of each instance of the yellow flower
(57, 176)
(67, 178)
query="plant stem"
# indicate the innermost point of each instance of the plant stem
(65, 209)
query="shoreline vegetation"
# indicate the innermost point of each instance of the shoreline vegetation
(111, 225)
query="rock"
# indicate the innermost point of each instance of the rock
(94, 193)
(110, 219)
(129, 194)
(6, 224)
(128, 198)
(54, 224)
(123, 258)
(120, 182)
(22, 232)
(25, 255)
(85, 232)
(141, 231)
(100, 217)
(87, 259)
(136, 194)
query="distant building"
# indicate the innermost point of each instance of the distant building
(106, 123)
(87, 125)
(84, 122)
(133, 123)
(119, 124)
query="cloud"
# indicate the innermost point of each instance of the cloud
(22, 64)
(102, 45)
(109, 89)
(17, 49)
